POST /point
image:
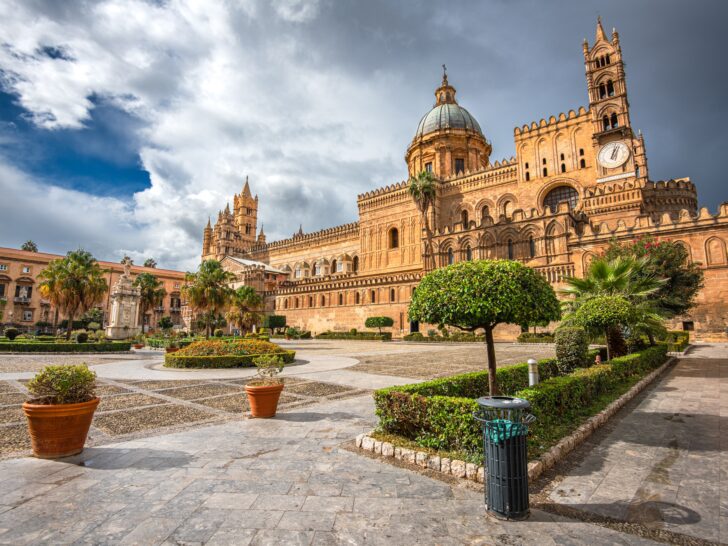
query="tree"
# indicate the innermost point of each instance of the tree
(151, 291)
(127, 258)
(274, 321)
(29, 246)
(625, 277)
(73, 284)
(150, 262)
(244, 303)
(207, 291)
(664, 260)
(483, 294)
(604, 313)
(379, 322)
(165, 323)
(423, 189)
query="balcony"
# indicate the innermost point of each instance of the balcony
(22, 300)
(175, 309)
(159, 309)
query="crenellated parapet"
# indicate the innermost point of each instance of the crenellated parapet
(345, 282)
(670, 196)
(553, 123)
(328, 235)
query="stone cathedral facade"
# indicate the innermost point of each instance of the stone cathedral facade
(577, 181)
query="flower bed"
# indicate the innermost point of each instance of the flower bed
(48, 347)
(370, 336)
(225, 354)
(439, 414)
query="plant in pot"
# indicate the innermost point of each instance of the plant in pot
(138, 342)
(60, 410)
(265, 389)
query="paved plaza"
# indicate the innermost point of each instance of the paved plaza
(295, 479)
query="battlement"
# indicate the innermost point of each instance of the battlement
(526, 130)
(341, 231)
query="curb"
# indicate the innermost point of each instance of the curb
(536, 467)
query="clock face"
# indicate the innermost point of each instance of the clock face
(613, 155)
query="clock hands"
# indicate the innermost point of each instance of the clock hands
(615, 152)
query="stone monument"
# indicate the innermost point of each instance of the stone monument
(124, 318)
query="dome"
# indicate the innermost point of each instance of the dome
(447, 116)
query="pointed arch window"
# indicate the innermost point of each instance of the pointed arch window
(464, 219)
(614, 121)
(393, 238)
(468, 253)
(355, 264)
(561, 194)
(510, 249)
(485, 211)
(605, 123)
(334, 265)
(563, 167)
(450, 257)
(602, 91)
(531, 247)
(357, 298)
(610, 88)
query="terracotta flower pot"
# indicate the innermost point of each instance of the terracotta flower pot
(138, 346)
(59, 430)
(172, 349)
(263, 399)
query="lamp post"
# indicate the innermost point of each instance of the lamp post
(532, 372)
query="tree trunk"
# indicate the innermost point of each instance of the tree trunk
(490, 348)
(615, 342)
(651, 337)
(69, 326)
(606, 339)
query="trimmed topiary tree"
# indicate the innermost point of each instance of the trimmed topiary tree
(572, 349)
(379, 322)
(274, 321)
(481, 295)
(602, 313)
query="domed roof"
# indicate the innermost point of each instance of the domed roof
(447, 116)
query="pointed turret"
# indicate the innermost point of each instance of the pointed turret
(600, 35)
(445, 94)
(246, 188)
(261, 235)
(209, 225)
(227, 209)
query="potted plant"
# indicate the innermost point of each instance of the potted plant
(60, 410)
(138, 342)
(172, 346)
(265, 389)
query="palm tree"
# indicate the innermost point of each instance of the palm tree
(423, 188)
(623, 276)
(152, 292)
(243, 305)
(207, 291)
(150, 262)
(73, 284)
(29, 246)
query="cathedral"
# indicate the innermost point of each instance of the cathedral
(577, 181)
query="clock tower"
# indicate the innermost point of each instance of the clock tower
(620, 153)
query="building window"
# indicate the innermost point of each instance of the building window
(27, 315)
(468, 253)
(545, 171)
(464, 219)
(333, 266)
(531, 247)
(563, 167)
(606, 59)
(582, 163)
(484, 212)
(605, 123)
(528, 177)
(459, 166)
(26, 269)
(392, 295)
(297, 273)
(393, 238)
(310, 301)
(562, 194)
(3, 267)
(355, 264)
(614, 121)
(526, 165)
(285, 304)
(688, 325)
(23, 291)
(450, 257)
(247, 229)
(357, 298)
(339, 267)
(562, 157)
(602, 91)
(510, 249)
(610, 88)
(341, 299)
(428, 167)
(295, 303)
(323, 301)
(374, 296)
(581, 152)
(2, 290)
(317, 268)
(544, 161)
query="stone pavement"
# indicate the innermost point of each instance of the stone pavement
(279, 481)
(665, 464)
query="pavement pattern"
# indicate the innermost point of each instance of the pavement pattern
(665, 464)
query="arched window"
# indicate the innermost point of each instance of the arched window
(323, 301)
(545, 171)
(605, 123)
(468, 253)
(297, 273)
(528, 176)
(562, 157)
(484, 212)
(614, 120)
(295, 303)
(333, 266)
(464, 219)
(602, 91)
(582, 163)
(561, 194)
(357, 298)
(393, 238)
(374, 296)
(563, 167)
(392, 295)
(310, 301)
(606, 59)
(510, 249)
(341, 299)
(317, 269)
(450, 257)
(285, 304)
(355, 264)
(531, 247)
(610, 88)
(507, 208)
(581, 152)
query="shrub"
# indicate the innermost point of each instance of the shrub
(572, 349)
(93, 326)
(65, 347)
(11, 333)
(79, 336)
(293, 333)
(229, 348)
(177, 360)
(379, 322)
(63, 385)
(414, 336)
(353, 331)
(219, 332)
(274, 321)
(372, 336)
(306, 335)
(541, 337)
(269, 366)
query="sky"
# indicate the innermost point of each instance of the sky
(125, 124)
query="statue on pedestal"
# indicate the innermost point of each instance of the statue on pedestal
(123, 320)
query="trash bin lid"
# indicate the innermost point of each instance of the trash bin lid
(503, 402)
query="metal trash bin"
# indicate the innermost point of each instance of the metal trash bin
(505, 423)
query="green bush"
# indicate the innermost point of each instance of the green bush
(218, 332)
(93, 326)
(379, 322)
(572, 349)
(305, 334)
(293, 333)
(371, 336)
(677, 340)
(457, 337)
(63, 385)
(79, 336)
(541, 337)
(439, 414)
(274, 321)
(414, 336)
(62, 347)
(175, 360)
(11, 333)
(353, 331)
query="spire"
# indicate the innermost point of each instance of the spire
(246, 188)
(227, 209)
(601, 36)
(208, 226)
(445, 94)
(300, 230)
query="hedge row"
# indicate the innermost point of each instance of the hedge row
(452, 338)
(173, 360)
(45, 347)
(530, 337)
(439, 414)
(375, 336)
(677, 340)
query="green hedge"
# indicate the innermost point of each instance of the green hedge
(46, 347)
(173, 360)
(375, 336)
(457, 337)
(439, 414)
(530, 337)
(677, 340)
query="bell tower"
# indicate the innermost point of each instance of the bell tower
(620, 153)
(245, 210)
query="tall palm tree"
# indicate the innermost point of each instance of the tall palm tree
(423, 188)
(244, 303)
(152, 292)
(208, 290)
(623, 276)
(73, 284)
